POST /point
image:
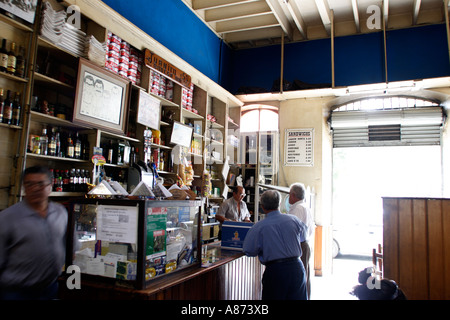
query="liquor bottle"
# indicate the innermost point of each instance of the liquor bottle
(11, 68)
(52, 144)
(44, 142)
(66, 181)
(72, 180)
(20, 63)
(58, 145)
(86, 148)
(16, 110)
(2, 104)
(3, 57)
(77, 147)
(36, 146)
(7, 108)
(53, 175)
(78, 180)
(60, 183)
(110, 152)
(82, 181)
(70, 147)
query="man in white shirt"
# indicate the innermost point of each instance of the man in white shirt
(234, 209)
(299, 209)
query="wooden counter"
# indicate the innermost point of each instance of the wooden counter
(233, 276)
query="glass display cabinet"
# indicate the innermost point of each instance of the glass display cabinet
(132, 242)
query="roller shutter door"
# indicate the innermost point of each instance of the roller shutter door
(397, 127)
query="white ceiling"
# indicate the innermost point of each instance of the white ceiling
(253, 23)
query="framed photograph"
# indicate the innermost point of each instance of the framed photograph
(24, 9)
(149, 110)
(181, 134)
(101, 99)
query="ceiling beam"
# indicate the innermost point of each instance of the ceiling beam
(264, 33)
(281, 17)
(325, 14)
(386, 12)
(246, 24)
(237, 11)
(356, 15)
(417, 4)
(297, 17)
(210, 4)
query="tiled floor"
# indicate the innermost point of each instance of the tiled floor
(344, 277)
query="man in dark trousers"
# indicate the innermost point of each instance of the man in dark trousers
(276, 240)
(32, 241)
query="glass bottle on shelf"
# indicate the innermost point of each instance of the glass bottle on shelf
(20, 63)
(77, 181)
(86, 147)
(66, 181)
(59, 183)
(7, 108)
(3, 57)
(52, 144)
(57, 145)
(16, 110)
(110, 153)
(72, 180)
(12, 59)
(44, 142)
(36, 146)
(70, 147)
(2, 104)
(77, 147)
(53, 175)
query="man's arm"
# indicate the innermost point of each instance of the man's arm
(251, 243)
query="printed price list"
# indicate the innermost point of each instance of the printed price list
(299, 147)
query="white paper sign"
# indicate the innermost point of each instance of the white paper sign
(117, 223)
(299, 147)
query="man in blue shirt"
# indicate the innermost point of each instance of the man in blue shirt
(276, 240)
(32, 241)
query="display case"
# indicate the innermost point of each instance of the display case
(131, 242)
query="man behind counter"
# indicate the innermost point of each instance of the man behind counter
(234, 209)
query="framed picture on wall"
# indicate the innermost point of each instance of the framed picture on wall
(149, 110)
(24, 9)
(101, 98)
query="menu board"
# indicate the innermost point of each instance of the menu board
(299, 147)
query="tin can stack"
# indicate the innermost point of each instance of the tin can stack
(123, 59)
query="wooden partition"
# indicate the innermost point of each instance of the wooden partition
(416, 246)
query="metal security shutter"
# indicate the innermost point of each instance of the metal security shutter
(399, 127)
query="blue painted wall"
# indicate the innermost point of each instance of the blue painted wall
(359, 59)
(417, 53)
(174, 25)
(414, 53)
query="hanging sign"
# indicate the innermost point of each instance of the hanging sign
(156, 63)
(299, 147)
